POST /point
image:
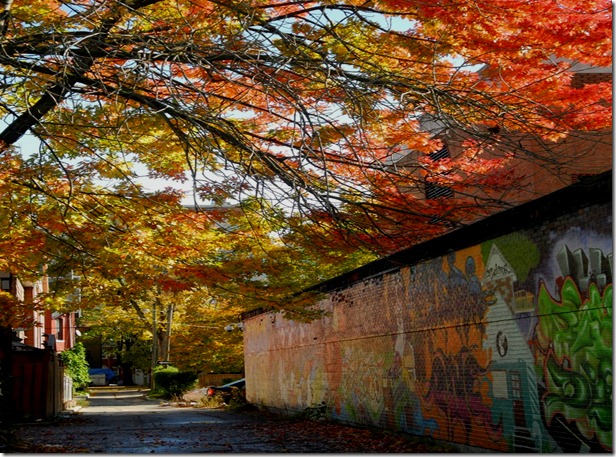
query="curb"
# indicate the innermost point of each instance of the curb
(69, 412)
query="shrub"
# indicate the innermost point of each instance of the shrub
(211, 402)
(173, 383)
(238, 399)
(235, 400)
(76, 366)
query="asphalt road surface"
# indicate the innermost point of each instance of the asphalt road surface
(126, 422)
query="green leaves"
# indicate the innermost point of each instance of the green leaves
(76, 366)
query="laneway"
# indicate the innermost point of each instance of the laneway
(124, 421)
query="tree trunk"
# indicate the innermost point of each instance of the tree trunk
(166, 337)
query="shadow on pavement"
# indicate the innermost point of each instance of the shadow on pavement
(125, 421)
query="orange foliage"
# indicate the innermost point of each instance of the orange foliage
(304, 106)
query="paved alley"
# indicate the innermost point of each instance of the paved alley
(126, 422)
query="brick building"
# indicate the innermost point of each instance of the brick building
(32, 380)
(496, 336)
(541, 166)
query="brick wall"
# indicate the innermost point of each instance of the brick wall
(582, 78)
(501, 341)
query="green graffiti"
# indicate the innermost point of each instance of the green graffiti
(575, 336)
(521, 253)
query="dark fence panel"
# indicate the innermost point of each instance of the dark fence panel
(6, 403)
(37, 384)
(30, 383)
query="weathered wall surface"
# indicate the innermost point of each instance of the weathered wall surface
(505, 344)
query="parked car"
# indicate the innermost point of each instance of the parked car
(226, 390)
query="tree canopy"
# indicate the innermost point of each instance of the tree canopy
(302, 103)
(296, 113)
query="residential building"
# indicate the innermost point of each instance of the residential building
(541, 166)
(33, 381)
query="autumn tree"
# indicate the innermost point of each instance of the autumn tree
(295, 112)
(303, 105)
(317, 121)
(148, 271)
(200, 342)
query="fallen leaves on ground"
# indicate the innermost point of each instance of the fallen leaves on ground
(343, 438)
(258, 429)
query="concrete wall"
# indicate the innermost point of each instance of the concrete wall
(502, 342)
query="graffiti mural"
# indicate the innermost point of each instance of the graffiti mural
(546, 354)
(506, 346)
(455, 379)
(455, 389)
(361, 385)
(510, 327)
(574, 342)
(552, 353)
(403, 406)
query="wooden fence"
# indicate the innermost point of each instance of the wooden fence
(39, 386)
(209, 379)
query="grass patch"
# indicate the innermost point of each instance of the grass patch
(83, 402)
(317, 412)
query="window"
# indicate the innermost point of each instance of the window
(435, 190)
(59, 329)
(516, 385)
(442, 153)
(5, 281)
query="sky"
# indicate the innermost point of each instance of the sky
(29, 144)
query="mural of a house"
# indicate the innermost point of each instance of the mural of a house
(514, 385)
